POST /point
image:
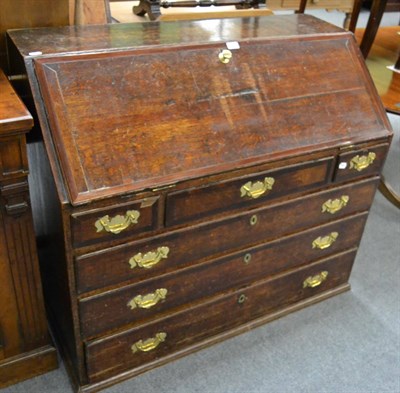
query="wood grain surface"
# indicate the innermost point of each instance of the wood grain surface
(148, 112)
(25, 345)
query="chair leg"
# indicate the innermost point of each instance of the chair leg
(302, 7)
(397, 65)
(375, 17)
(354, 15)
(388, 192)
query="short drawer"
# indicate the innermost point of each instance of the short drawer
(136, 347)
(360, 163)
(114, 222)
(137, 303)
(246, 192)
(168, 252)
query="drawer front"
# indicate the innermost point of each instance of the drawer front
(191, 205)
(147, 258)
(139, 302)
(136, 347)
(114, 222)
(359, 163)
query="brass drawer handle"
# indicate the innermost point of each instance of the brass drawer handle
(361, 162)
(314, 281)
(334, 205)
(149, 259)
(148, 301)
(149, 344)
(225, 56)
(257, 189)
(325, 241)
(118, 223)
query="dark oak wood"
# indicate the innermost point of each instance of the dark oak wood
(191, 205)
(173, 114)
(135, 35)
(345, 169)
(25, 346)
(82, 223)
(113, 354)
(146, 117)
(111, 310)
(94, 269)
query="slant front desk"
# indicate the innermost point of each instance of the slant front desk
(207, 179)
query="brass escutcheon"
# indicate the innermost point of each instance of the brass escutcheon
(314, 281)
(253, 220)
(361, 162)
(149, 259)
(325, 241)
(242, 298)
(247, 258)
(334, 205)
(225, 56)
(148, 301)
(257, 189)
(149, 344)
(118, 223)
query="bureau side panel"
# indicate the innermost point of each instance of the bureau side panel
(53, 257)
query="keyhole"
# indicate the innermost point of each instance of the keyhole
(247, 258)
(253, 220)
(242, 298)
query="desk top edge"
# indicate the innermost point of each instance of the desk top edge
(72, 39)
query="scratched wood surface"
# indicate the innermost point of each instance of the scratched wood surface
(249, 108)
(145, 116)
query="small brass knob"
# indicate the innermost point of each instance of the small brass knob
(225, 56)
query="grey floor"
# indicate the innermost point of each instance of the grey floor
(347, 344)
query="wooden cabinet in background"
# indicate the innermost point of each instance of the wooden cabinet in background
(25, 345)
(16, 14)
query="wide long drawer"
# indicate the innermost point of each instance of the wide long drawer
(168, 252)
(135, 347)
(194, 204)
(137, 303)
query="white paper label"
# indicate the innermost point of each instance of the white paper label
(233, 45)
(343, 165)
(38, 53)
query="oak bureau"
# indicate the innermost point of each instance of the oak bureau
(206, 180)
